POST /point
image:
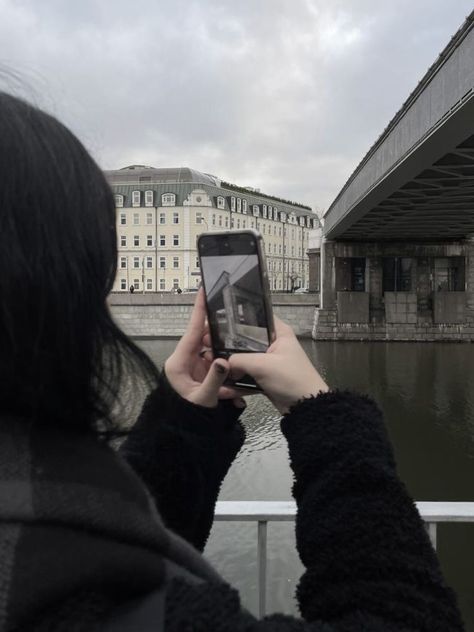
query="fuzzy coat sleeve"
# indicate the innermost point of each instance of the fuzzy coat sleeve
(369, 563)
(182, 453)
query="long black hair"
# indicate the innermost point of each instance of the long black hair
(62, 358)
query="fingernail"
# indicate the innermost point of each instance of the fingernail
(220, 368)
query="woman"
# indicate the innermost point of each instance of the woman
(91, 539)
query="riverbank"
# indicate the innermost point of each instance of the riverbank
(164, 315)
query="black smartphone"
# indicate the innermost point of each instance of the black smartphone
(235, 280)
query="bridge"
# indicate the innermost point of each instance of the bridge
(398, 248)
(417, 181)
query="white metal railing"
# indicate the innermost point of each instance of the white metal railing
(263, 512)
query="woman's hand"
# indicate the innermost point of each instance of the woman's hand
(194, 376)
(284, 372)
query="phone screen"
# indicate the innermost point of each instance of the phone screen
(232, 274)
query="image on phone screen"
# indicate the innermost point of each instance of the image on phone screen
(235, 302)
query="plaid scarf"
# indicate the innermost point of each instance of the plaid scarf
(79, 534)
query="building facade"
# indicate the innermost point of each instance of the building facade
(161, 212)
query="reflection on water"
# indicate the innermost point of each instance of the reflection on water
(426, 392)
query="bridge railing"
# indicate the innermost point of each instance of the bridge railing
(263, 512)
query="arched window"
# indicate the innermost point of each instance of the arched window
(255, 209)
(135, 198)
(239, 205)
(148, 198)
(220, 202)
(232, 203)
(168, 199)
(244, 206)
(119, 201)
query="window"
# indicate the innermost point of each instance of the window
(149, 240)
(232, 223)
(162, 240)
(136, 219)
(238, 223)
(232, 203)
(213, 220)
(135, 198)
(350, 274)
(239, 205)
(198, 281)
(220, 220)
(123, 240)
(123, 284)
(175, 262)
(119, 201)
(175, 218)
(220, 202)
(136, 262)
(270, 213)
(198, 217)
(244, 206)
(162, 262)
(149, 218)
(123, 262)
(175, 240)
(149, 262)
(244, 223)
(162, 284)
(162, 218)
(196, 264)
(136, 240)
(255, 209)
(123, 219)
(449, 274)
(396, 274)
(168, 199)
(265, 210)
(226, 222)
(148, 198)
(175, 284)
(315, 223)
(136, 284)
(149, 284)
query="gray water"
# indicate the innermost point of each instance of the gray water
(426, 392)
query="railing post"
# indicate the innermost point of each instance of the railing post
(262, 567)
(432, 531)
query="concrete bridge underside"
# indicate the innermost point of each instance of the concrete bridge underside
(417, 181)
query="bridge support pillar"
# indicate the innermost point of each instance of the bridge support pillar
(328, 281)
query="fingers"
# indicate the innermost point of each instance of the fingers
(282, 329)
(250, 363)
(208, 392)
(193, 335)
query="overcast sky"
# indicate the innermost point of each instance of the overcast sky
(282, 95)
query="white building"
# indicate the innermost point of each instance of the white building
(160, 213)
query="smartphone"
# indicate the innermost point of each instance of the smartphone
(235, 280)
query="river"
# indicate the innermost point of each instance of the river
(426, 391)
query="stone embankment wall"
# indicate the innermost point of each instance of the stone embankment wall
(158, 315)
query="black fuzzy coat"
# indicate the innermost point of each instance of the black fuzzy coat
(83, 546)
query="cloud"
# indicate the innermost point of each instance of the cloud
(283, 95)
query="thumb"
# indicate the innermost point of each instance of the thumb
(247, 363)
(208, 393)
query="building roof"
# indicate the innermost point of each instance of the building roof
(182, 181)
(142, 174)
